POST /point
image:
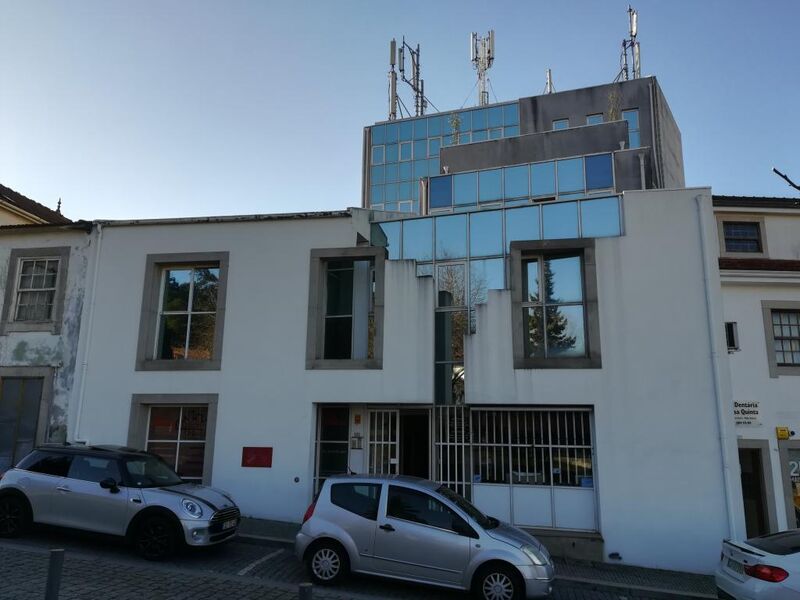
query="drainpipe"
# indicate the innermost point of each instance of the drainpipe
(641, 170)
(714, 356)
(89, 327)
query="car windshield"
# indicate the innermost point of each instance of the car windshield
(464, 504)
(783, 543)
(150, 471)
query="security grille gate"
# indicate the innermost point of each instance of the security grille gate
(384, 433)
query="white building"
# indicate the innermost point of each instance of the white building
(760, 269)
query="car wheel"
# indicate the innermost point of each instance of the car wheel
(155, 538)
(499, 583)
(327, 563)
(14, 516)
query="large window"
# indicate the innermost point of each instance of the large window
(178, 435)
(742, 236)
(183, 312)
(782, 335)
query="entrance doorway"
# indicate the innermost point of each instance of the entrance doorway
(415, 444)
(753, 493)
(20, 400)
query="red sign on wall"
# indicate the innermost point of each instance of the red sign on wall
(253, 456)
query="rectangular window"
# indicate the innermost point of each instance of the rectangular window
(632, 117)
(361, 499)
(178, 435)
(732, 336)
(36, 289)
(333, 442)
(349, 314)
(786, 337)
(742, 236)
(560, 124)
(594, 119)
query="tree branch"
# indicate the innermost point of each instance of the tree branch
(784, 176)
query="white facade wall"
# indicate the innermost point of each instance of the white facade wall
(659, 463)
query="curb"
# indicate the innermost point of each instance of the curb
(261, 540)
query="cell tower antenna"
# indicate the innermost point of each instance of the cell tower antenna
(392, 80)
(631, 44)
(481, 50)
(549, 88)
(416, 83)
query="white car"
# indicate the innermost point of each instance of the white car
(761, 568)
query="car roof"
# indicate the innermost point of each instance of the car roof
(109, 449)
(405, 479)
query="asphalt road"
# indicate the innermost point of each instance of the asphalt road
(101, 567)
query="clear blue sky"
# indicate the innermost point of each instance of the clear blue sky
(177, 108)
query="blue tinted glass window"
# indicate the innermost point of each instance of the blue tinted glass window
(570, 175)
(415, 206)
(486, 233)
(560, 220)
(387, 235)
(522, 224)
(515, 181)
(391, 153)
(480, 119)
(434, 126)
(433, 146)
(451, 237)
(495, 134)
(405, 207)
(390, 173)
(378, 134)
(511, 114)
(594, 119)
(420, 168)
(464, 137)
(377, 155)
(441, 191)
(406, 130)
(376, 174)
(391, 133)
(632, 117)
(447, 140)
(418, 239)
(496, 116)
(405, 151)
(375, 194)
(466, 120)
(599, 174)
(420, 149)
(480, 136)
(490, 185)
(433, 166)
(566, 283)
(376, 206)
(633, 139)
(485, 275)
(420, 129)
(405, 171)
(391, 206)
(465, 188)
(510, 131)
(600, 217)
(543, 179)
(560, 124)
(391, 192)
(447, 123)
(406, 190)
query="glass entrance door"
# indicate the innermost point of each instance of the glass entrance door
(20, 398)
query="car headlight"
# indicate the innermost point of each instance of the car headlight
(192, 508)
(536, 555)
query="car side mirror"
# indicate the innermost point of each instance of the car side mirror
(110, 485)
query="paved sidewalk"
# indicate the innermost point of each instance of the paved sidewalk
(621, 579)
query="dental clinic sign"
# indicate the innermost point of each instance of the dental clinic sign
(746, 413)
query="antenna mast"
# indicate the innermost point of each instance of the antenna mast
(392, 80)
(632, 44)
(416, 83)
(482, 56)
(549, 88)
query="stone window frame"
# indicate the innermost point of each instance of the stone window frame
(767, 306)
(520, 251)
(148, 321)
(723, 218)
(315, 339)
(46, 401)
(7, 322)
(140, 411)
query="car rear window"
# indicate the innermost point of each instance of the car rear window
(786, 542)
(46, 463)
(359, 498)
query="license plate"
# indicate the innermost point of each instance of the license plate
(228, 524)
(736, 567)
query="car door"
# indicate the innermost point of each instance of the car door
(83, 504)
(43, 472)
(416, 538)
(355, 509)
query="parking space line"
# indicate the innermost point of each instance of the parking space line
(255, 563)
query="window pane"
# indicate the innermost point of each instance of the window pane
(496, 116)
(594, 119)
(510, 131)
(390, 173)
(392, 153)
(406, 130)
(332, 458)
(34, 306)
(560, 124)
(376, 174)
(563, 280)
(433, 166)
(420, 129)
(176, 289)
(375, 194)
(193, 425)
(441, 191)
(490, 185)
(418, 239)
(404, 171)
(599, 173)
(634, 141)
(206, 282)
(167, 451)
(164, 423)
(515, 181)
(51, 274)
(742, 236)
(451, 326)
(543, 179)
(480, 119)
(420, 168)
(465, 119)
(339, 290)
(405, 151)
(465, 188)
(511, 114)
(190, 460)
(359, 498)
(377, 155)
(485, 275)
(532, 281)
(522, 224)
(201, 337)
(172, 337)
(486, 233)
(334, 423)
(94, 469)
(560, 220)
(451, 237)
(434, 126)
(388, 236)
(600, 218)
(418, 507)
(565, 331)
(433, 146)
(449, 384)
(534, 332)
(377, 134)
(632, 117)
(570, 175)
(451, 285)
(338, 337)
(420, 149)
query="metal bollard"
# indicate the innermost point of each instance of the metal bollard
(54, 574)
(305, 591)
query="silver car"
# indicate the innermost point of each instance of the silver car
(118, 491)
(761, 568)
(421, 531)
